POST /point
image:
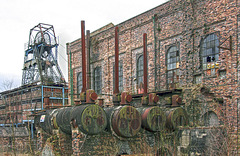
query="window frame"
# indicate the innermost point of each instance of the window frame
(79, 82)
(120, 74)
(98, 86)
(138, 77)
(174, 68)
(205, 47)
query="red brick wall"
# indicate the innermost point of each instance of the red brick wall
(185, 24)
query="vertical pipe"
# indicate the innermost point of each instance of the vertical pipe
(83, 56)
(145, 64)
(71, 76)
(63, 96)
(56, 53)
(155, 49)
(88, 61)
(32, 129)
(42, 96)
(116, 90)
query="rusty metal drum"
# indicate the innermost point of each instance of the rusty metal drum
(90, 118)
(153, 118)
(176, 117)
(63, 120)
(47, 120)
(126, 121)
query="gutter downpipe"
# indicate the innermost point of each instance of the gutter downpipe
(71, 75)
(155, 50)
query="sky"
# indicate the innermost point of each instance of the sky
(17, 17)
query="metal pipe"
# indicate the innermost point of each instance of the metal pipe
(71, 73)
(83, 56)
(155, 49)
(88, 61)
(116, 90)
(145, 64)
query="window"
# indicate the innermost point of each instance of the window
(210, 119)
(222, 74)
(120, 72)
(198, 79)
(210, 53)
(79, 82)
(98, 80)
(172, 67)
(140, 74)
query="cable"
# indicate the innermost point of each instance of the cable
(63, 57)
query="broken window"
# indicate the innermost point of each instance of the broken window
(98, 80)
(172, 67)
(210, 54)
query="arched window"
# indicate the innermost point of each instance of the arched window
(140, 74)
(79, 82)
(98, 80)
(210, 119)
(172, 67)
(120, 74)
(210, 52)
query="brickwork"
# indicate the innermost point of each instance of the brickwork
(211, 87)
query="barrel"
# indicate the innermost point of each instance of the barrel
(153, 118)
(125, 121)
(176, 117)
(63, 120)
(46, 121)
(90, 118)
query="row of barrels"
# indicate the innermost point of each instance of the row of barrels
(124, 121)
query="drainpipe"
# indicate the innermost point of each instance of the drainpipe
(88, 61)
(116, 97)
(83, 57)
(116, 90)
(238, 19)
(155, 49)
(71, 74)
(145, 74)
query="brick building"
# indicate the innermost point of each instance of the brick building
(192, 46)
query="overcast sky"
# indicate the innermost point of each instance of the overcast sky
(17, 17)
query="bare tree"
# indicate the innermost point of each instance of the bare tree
(6, 85)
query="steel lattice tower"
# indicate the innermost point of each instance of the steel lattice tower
(40, 61)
